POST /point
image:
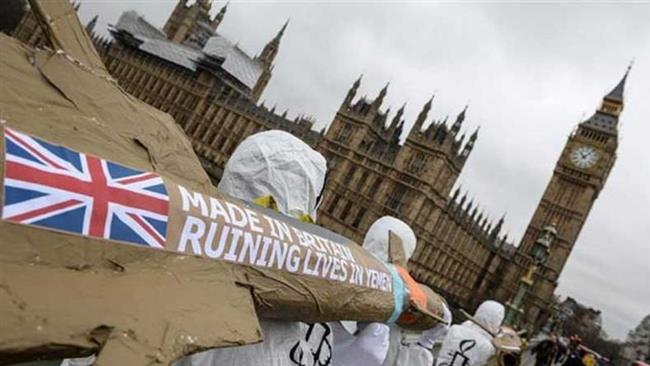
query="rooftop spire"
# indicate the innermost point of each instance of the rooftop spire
(357, 82)
(469, 206)
(419, 122)
(90, 27)
(469, 146)
(352, 92)
(284, 27)
(616, 94)
(382, 94)
(401, 109)
(497, 229)
(271, 49)
(398, 116)
(475, 134)
(219, 17)
(463, 199)
(456, 193)
(611, 107)
(455, 128)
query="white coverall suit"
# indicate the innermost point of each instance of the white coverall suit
(392, 351)
(277, 164)
(468, 344)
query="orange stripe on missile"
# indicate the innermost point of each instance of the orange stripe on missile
(416, 295)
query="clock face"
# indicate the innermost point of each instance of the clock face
(584, 157)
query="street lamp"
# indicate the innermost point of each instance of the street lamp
(542, 246)
(538, 254)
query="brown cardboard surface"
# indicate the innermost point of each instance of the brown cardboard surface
(45, 94)
(147, 306)
(396, 250)
(64, 295)
(65, 32)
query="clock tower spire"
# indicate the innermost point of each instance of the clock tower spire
(579, 176)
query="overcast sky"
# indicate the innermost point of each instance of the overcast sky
(529, 71)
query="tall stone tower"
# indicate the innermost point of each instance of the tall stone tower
(579, 175)
(192, 23)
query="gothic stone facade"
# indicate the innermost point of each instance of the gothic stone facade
(211, 87)
(372, 174)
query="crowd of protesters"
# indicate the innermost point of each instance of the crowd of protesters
(276, 167)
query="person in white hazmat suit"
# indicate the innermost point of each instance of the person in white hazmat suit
(276, 164)
(395, 351)
(470, 344)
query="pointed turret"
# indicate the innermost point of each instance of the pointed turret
(266, 58)
(613, 102)
(616, 95)
(398, 116)
(219, 17)
(606, 117)
(474, 135)
(380, 98)
(497, 229)
(90, 27)
(460, 141)
(479, 219)
(483, 223)
(458, 204)
(422, 116)
(351, 93)
(455, 128)
(271, 49)
(455, 194)
(469, 146)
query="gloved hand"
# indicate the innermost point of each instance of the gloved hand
(429, 337)
(367, 347)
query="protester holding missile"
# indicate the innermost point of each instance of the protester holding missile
(279, 171)
(470, 343)
(349, 349)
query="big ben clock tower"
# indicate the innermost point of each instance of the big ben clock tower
(579, 176)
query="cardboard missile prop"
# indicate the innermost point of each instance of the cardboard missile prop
(425, 307)
(114, 242)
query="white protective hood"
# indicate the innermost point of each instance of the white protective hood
(376, 240)
(276, 163)
(490, 314)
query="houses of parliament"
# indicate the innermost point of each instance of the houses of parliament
(211, 87)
